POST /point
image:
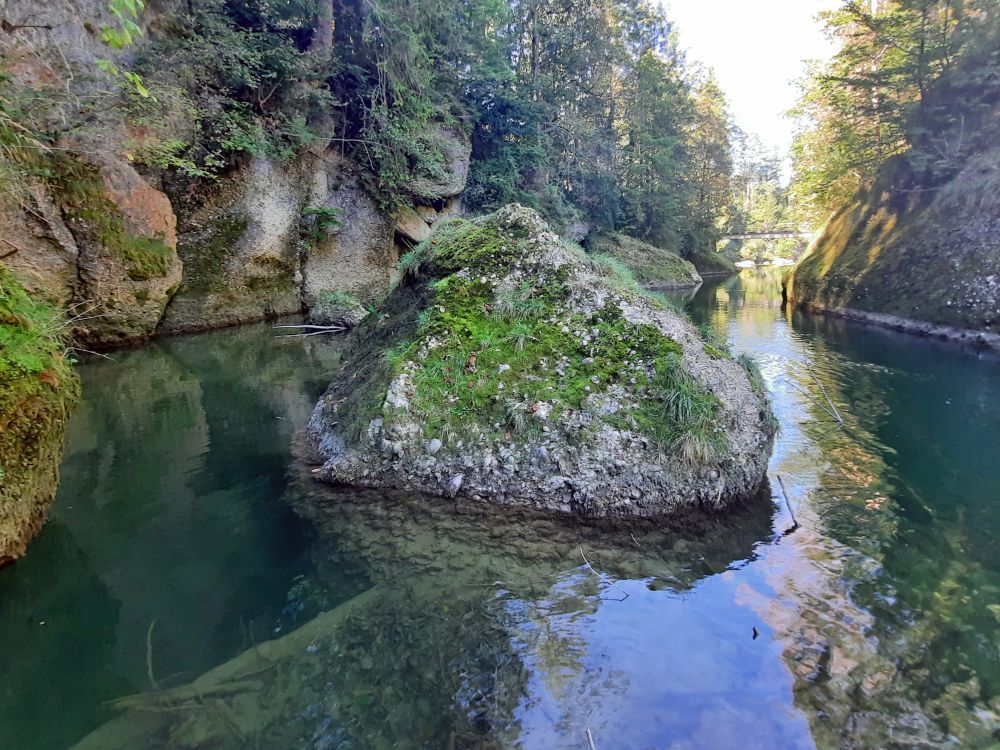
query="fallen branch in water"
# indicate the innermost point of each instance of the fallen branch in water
(604, 577)
(833, 408)
(788, 504)
(324, 328)
(314, 330)
(149, 656)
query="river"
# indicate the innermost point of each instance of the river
(186, 534)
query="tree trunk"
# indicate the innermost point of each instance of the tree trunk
(322, 40)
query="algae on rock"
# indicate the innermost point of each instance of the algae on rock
(517, 369)
(37, 392)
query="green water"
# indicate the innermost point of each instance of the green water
(188, 532)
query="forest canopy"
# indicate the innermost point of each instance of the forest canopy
(908, 91)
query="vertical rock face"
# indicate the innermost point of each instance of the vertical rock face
(358, 259)
(98, 240)
(240, 251)
(128, 264)
(38, 248)
(254, 250)
(887, 248)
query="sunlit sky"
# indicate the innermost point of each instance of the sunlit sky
(757, 49)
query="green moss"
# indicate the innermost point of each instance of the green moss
(644, 262)
(715, 346)
(83, 196)
(37, 389)
(205, 259)
(492, 359)
(461, 243)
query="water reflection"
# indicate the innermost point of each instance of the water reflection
(886, 600)
(405, 621)
(167, 518)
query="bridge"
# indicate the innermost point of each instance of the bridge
(767, 235)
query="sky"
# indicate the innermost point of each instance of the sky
(757, 49)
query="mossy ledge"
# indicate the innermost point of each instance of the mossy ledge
(509, 366)
(38, 389)
(652, 266)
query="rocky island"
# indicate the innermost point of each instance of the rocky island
(508, 365)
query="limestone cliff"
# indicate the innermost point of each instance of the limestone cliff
(921, 260)
(111, 224)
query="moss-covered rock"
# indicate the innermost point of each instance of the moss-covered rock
(508, 365)
(37, 392)
(920, 260)
(650, 265)
(713, 263)
(124, 230)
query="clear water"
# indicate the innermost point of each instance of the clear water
(187, 532)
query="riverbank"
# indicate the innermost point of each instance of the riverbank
(38, 390)
(978, 340)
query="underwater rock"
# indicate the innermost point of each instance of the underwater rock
(606, 388)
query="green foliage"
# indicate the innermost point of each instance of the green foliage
(321, 221)
(126, 13)
(30, 332)
(909, 82)
(231, 80)
(32, 344)
(125, 34)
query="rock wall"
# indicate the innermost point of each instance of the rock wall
(925, 261)
(136, 252)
